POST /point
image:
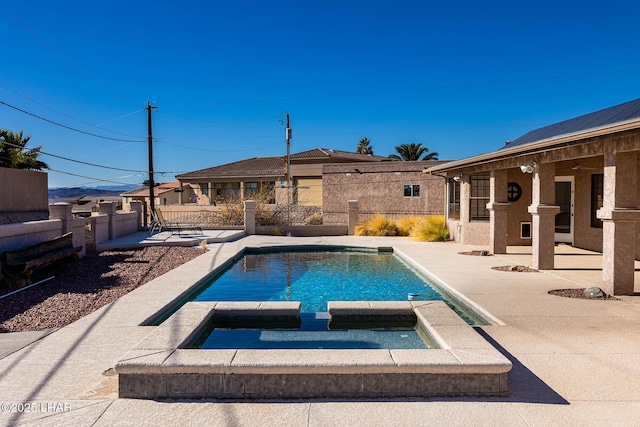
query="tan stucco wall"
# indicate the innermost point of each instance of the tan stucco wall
(23, 191)
(470, 232)
(379, 188)
(518, 210)
(306, 170)
(309, 191)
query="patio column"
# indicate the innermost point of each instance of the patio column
(498, 211)
(109, 209)
(620, 215)
(62, 211)
(136, 206)
(543, 212)
(249, 217)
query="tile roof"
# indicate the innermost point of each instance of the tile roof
(325, 153)
(258, 166)
(159, 188)
(618, 113)
(275, 166)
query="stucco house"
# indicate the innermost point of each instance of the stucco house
(268, 175)
(165, 193)
(575, 182)
(394, 189)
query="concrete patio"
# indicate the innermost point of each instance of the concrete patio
(575, 361)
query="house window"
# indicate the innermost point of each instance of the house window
(412, 190)
(480, 196)
(250, 189)
(454, 199)
(597, 195)
(204, 188)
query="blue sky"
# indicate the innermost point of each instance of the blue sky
(460, 78)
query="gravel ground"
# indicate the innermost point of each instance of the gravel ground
(83, 286)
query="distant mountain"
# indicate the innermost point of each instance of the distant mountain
(118, 188)
(64, 193)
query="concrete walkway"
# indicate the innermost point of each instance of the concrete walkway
(576, 362)
(167, 238)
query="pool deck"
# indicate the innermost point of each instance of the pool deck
(575, 362)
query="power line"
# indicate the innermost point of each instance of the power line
(218, 151)
(219, 121)
(91, 178)
(87, 163)
(74, 118)
(67, 127)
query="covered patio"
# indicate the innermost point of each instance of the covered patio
(574, 182)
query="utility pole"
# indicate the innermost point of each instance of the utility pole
(152, 201)
(289, 181)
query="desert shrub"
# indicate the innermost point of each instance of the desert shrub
(377, 225)
(431, 229)
(231, 213)
(314, 219)
(406, 224)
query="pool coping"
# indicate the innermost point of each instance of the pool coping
(464, 364)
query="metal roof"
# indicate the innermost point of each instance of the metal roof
(617, 113)
(619, 118)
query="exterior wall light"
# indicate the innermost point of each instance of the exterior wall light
(458, 177)
(528, 168)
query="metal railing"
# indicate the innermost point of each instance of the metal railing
(363, 215)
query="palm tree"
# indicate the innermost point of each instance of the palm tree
(412, 152)
(13, 152)
(364, 147)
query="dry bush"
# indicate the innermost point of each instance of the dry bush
(377, 225)
(431, 229)
(406, 224)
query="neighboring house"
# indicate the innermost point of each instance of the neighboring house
(575, 181)
(393, 189)
(85, 206)
(268, 177)
(164, 193)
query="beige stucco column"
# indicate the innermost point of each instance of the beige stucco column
(498, 211)
(136, 206)
(109, 208)
(620, 215)
(62, 211)
(249, 217)
(543, 213)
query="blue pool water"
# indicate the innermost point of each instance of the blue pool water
(311, 333)
(314, 278)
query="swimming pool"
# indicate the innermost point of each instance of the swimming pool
(167, 364)
(315, 277)
(311, 331)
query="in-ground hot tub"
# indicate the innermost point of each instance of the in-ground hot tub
(459, 363)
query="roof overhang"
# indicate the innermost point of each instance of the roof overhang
(542, 145)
